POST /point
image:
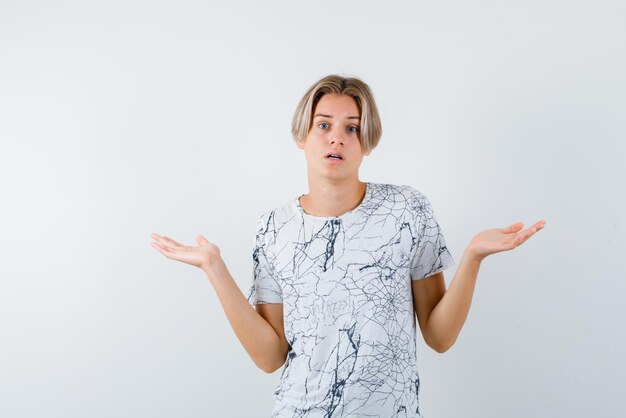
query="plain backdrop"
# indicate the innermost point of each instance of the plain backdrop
(123, 118)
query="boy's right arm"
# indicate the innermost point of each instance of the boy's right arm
(261, 331)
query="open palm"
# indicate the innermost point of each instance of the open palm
(495, 240)
(201, 256)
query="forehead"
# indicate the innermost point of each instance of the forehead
(337, 105)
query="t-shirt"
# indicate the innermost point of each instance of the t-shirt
(345, 285)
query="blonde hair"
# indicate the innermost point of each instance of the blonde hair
(370, 129)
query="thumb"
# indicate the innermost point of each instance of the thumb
(201, 240)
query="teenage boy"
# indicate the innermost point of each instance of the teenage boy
(340, 273)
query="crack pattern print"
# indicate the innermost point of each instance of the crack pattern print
(345, 286)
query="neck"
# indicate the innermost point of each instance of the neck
(333, 198)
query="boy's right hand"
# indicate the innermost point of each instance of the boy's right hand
(202, 256)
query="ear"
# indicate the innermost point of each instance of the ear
(301, 144)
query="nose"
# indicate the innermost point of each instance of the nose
(336, 136)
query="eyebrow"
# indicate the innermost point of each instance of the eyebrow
(330, 116)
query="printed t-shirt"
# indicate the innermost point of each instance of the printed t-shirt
(345, 285)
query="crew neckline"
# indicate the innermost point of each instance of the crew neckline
(343, 215)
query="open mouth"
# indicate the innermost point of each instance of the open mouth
(334, 157)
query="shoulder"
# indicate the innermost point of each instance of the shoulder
(399, 189)
(414, 198)
(279, 220)
(411, 192)
(279, 212)
(415, 204)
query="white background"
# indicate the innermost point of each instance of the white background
(123, 118)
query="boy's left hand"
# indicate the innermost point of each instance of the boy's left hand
(496, 240)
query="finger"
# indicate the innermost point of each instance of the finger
(166, 241)
(167, 244)
(524, 235)
(533, 229)
(161, 242)
(157, 237)
(172, 242)
(513, 228)
(162, 249)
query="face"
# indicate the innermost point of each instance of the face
(335, 128)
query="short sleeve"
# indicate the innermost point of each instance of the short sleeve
(265, 287)
(431, 254)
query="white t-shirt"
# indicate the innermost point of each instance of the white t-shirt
(345, 285)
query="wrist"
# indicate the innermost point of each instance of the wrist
(473, 256)
(214, 268)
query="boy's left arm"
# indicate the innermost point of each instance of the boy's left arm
(441, 313)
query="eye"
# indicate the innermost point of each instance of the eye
(356, 129)
(320, 124)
